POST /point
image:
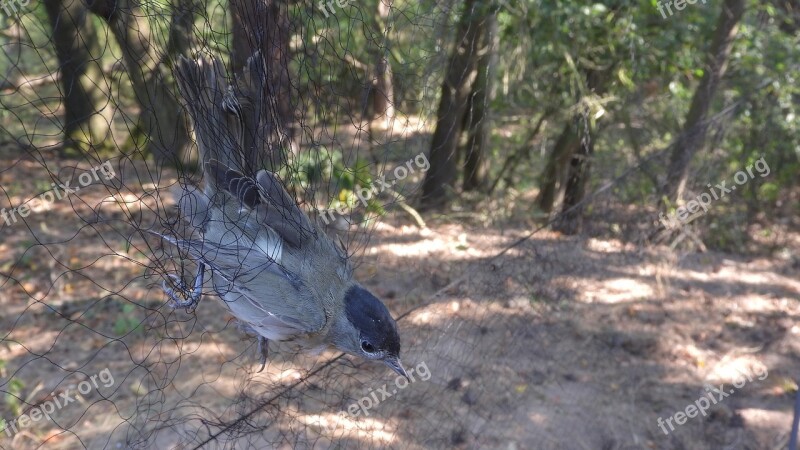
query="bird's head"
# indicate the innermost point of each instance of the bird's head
(375, 335)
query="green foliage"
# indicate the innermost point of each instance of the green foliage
(350, 177)
(126, 321)
(548, 51)
(769, 192)
(308, 168)
(13, 396)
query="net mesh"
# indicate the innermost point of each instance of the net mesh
(89, 340)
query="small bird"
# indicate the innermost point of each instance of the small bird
(280, 274)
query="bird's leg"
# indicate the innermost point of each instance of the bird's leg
(263, 350)
(191, 298)
(263, 343)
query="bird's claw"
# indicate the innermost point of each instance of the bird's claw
(178, 281)
(182, 300)
(190, 298)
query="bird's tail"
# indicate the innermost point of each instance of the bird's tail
(229, 126)
(235, 123)
(204, 89)
(260, 135)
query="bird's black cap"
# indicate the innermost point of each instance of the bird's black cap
(371, 318)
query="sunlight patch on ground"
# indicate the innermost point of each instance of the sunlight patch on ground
(341, 426)
(768, 422)
(455, 248)
(731, 272)
(605, 245)
(410, 249)
(619, 290)
(742, 369)
(755, 303)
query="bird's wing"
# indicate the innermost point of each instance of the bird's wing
(257, 289)
(270, 298)
(280, 211)
(277, 324)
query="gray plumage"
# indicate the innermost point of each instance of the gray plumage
(278, 272)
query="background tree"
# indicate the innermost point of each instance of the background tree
(85, 91)
(383, 92)
(161, 123)
(695, 126)
(462, 70)
(265, 26)
(477, 118)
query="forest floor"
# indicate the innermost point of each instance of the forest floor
(560, 342)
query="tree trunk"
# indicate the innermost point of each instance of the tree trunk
(263, 25)
(696, 126)
(181, 27)
(579, 169)
(461, 72)
(85, 91)
(161, 119)
(570, 152)
(383, 87)
(571, 220)
(479, 123)
(181, 30)
(556, 169)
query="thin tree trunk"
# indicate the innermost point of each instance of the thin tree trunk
(570, 153)
(85, 92)
(571, 220)
(181, 30)
(579, 169)
(383, 87)
(479, 124)
(695, 127)
(555, 170)
(461, 72)
(181, 27)
(161, 118)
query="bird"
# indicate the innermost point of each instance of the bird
(278, 272)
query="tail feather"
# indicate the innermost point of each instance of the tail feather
(203, 88)
(230, 123)
(251, 107)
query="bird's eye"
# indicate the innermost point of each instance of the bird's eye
(367, 347)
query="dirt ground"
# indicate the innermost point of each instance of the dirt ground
(558, 343)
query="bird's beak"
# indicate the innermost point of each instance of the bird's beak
(397, 366)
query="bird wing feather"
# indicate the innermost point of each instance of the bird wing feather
(257, 289)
